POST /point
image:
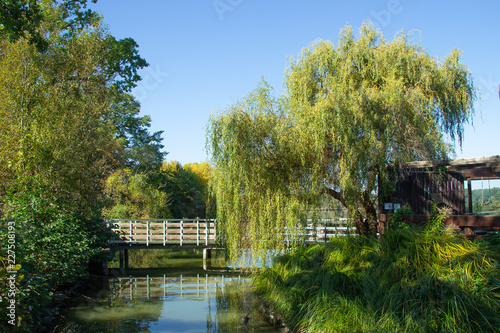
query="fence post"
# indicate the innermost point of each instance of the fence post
(182, 232)
(197, 232)
(325, 230)
(147, 233)
(207, 221)
(130, 233)
(164, 231)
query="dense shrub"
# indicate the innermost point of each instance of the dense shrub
(413, 280)
(53, 248)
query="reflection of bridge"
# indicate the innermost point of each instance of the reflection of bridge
(193, 287)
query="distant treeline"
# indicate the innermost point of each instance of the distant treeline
(485, 200)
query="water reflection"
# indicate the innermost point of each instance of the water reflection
(181, 297)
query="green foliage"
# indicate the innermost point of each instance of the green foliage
(49, 255)
(185, 190)
(52, 105)
(142, 150)
(64, 113)
(171, 191)
(135, 196)
(23, 18)
(67, 124)
(367, 103)
(485, 200)
(396, 220)
(203, 173)
(348, 112)
(413, 280)
(258, 188)
(124, 61)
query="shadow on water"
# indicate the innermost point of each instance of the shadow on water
(177, 292)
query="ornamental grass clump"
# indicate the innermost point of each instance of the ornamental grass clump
(413, 280)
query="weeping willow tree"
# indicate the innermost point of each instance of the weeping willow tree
(258, 180)
(347, 112)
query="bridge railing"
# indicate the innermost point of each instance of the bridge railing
(328, 228)
(202, 232)
(199, 232)
(322, 230)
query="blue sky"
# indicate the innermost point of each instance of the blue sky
(206, 54)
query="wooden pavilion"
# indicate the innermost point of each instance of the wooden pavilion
(421, 185)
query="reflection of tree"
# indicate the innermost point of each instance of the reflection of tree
(138, 325)
(159, 258)
(126, 316)
(233, 302)
(146, 258)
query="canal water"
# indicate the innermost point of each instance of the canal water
(168, 291)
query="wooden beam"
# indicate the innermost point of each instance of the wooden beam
(474, 221)
(480, 173)
(462, 221)
(469, 190)
(475, 168)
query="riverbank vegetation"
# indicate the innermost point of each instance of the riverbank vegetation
(74, 149)
(412, 280)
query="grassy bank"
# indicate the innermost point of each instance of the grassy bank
(414, 280)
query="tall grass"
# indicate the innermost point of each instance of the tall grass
(413, 280)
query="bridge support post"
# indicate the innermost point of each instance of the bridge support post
(123, 260)
(125, 254)
(207, 253)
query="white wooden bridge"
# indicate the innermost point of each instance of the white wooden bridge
(164, 233)
(202, 233)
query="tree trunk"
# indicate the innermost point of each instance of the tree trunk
(365, 225)
(371, 220)
(360, 223)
